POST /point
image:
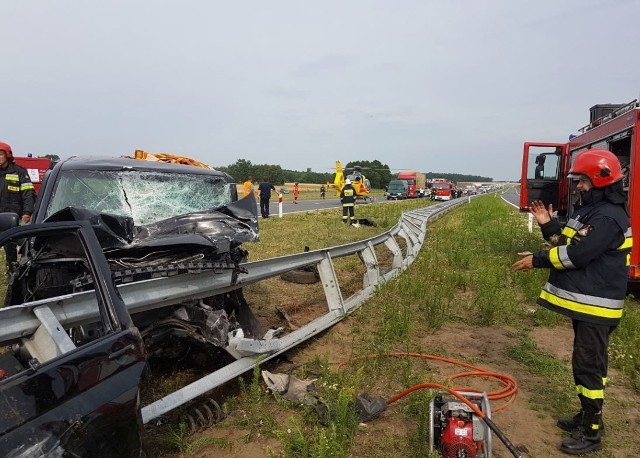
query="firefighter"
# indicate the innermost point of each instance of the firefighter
(588, 263)
(17, 194)
(348, 199)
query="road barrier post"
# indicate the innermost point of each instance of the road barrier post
(280, 205)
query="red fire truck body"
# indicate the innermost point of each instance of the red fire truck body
(545, 165)
(444, 189)
(35, 167)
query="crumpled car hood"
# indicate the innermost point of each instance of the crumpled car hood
(221, 228)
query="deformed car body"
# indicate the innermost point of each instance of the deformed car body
(100, 223)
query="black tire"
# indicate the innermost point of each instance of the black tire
(302, 277)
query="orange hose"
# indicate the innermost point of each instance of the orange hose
(508, 392)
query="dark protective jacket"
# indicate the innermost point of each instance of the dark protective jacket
(265, 189)
(17, 194)
(589, 263)
(348, 196)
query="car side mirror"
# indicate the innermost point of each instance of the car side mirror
(8, 221)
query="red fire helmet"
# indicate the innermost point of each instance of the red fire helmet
(601, 166)
(7, 149)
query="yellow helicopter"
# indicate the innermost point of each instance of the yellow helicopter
(359, 182)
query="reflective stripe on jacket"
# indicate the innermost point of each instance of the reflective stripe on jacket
(348, 196)
(17, 194)
(589, 266)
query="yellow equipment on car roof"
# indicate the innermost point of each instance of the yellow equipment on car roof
(171, 158)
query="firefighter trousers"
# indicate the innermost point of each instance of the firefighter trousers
(348, 213)
(589, 362)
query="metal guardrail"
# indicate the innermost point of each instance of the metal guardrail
(411, 227)
(79, 308)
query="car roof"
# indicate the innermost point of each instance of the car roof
(124, 163)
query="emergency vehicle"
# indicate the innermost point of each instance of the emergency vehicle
(36, 167)
(417, 182)
(442, 189)
(545, 165)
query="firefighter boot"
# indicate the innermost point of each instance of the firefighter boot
(569, 424)
(586, 437)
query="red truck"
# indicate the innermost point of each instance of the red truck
(443, 189)
(35, 167)
(417, 182)
(545, 165)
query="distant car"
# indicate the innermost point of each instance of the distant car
(398, 189)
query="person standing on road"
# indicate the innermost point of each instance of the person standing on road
(589, 267)
(265, 189)
(296, 193)
(348, 199)
(248, 186)
(17, 195)
(323, 191)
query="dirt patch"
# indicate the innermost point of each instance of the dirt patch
(557, 341)
(536, 430)
(527, 422)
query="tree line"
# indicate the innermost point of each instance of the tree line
(377, 173)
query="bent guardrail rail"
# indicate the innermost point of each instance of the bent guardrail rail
(79, 308)
(411, 227)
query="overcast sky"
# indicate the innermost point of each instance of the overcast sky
(436, 86)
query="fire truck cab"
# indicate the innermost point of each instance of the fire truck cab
(545, 165)
(442, 189)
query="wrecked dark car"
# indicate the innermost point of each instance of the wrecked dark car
(73, 351)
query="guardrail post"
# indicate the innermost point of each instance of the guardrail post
(330, 284)
(370, 261)
(395, 250)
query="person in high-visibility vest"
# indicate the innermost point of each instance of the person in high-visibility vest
(296, 193)
(17, 195)
(248, 186)
(589, 270)
(348, 199)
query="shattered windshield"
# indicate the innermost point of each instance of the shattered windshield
(147, 197)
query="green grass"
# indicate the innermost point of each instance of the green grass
(462, 275)
(560, 389)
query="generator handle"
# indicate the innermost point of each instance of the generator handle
(512, 448)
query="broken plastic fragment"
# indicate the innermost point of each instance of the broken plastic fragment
(291, 388)
(273, 333)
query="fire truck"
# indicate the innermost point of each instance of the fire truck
(417, 182)
(545, 165)
(442, 189)
(36, 167)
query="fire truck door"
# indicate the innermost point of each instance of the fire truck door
(542, 174)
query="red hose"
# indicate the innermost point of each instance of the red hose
(508, 392)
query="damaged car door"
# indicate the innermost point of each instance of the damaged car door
(73, 389)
